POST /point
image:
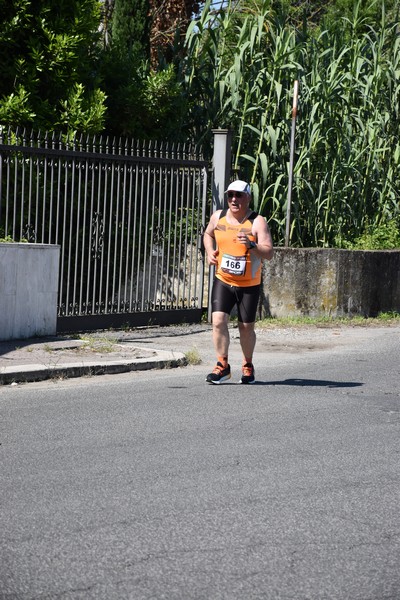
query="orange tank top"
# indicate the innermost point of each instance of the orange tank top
(236, 264)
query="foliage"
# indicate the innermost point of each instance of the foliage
(321, 15)
(130, 27)
(169, 20)
(83, 112)
(144, 96)
(385, 236)
(15, 108)
(239, 74)
(47, 50)
(142, 103)
(163, 103)
(8, 239)
(236, 70)
(124, 64)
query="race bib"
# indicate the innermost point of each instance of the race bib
(234, 265)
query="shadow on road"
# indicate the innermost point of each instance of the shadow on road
(312, 383)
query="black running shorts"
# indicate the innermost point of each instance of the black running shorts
(224, 297)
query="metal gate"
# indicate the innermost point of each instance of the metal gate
(128, 217)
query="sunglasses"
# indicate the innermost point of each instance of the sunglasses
(237, 194)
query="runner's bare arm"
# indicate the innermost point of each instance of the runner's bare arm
(264, 248)
(209, 239)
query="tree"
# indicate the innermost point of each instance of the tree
(169, 19)
(144, 97)
(47, 60)
(130, 27)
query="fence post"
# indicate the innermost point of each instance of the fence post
(221, 166)
(222, 159)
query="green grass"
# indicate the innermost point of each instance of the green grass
(389, 318)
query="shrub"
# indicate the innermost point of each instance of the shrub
(385, 236)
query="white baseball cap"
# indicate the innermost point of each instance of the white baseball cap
(239, 186)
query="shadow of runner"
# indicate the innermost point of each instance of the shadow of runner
(312, 383)
(300, 382)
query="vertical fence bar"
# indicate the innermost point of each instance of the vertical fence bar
(133, 287)
(37, 197)
(122, 251)
(77, 194)
(7, 228)
(114, 246)
(109, 240)
(91, 261)
(176, 242)
(84, 236)
(185, 220)
(58, 236)
(1, 185)
(30, 185)
(192, 277)
(140, 192)
(14, 229)
(144, 302)
(183, 226)
(23, 200)
(104, 167)
(168, 212)
(152, 279)
(202, 185)
(163, 237)
(53, 164)
(44, 220)
(67, 228)
(129, 241)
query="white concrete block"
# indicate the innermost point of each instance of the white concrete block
(28, 290)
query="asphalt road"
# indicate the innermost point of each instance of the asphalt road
(155, 485)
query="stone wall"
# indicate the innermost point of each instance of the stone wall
(330, 282)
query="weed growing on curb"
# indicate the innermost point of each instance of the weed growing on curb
(103, 345)
(193, 357)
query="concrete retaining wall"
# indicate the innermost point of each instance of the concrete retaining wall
(330, 282)
(28, 290)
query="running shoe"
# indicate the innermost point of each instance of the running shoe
(248, 375)
(219, 374)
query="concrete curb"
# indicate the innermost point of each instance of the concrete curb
(35, 372)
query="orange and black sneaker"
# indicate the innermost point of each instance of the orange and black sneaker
(248, 375)
(219, 374)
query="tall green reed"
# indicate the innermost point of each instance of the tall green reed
(240, 70)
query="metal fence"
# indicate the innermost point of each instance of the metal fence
(128, 217)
